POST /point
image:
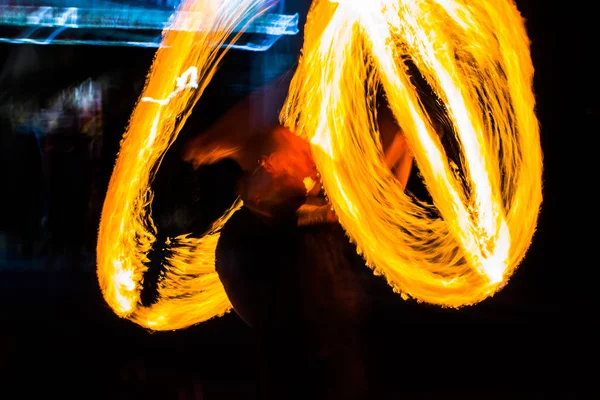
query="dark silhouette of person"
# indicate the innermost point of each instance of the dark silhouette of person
(286, 264)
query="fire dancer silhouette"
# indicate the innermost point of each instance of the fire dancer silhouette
(286, 264)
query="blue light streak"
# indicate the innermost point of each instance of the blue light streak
(267, 29)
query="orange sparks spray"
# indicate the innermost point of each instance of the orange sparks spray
(457, 251)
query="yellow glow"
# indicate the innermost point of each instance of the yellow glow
(475, 56)
(190, 291)
(457, 251)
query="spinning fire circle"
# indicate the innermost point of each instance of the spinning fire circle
(457, 251)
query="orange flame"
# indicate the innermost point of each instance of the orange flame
(190, 291)
(474, 55)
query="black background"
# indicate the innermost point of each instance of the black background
(58, 336)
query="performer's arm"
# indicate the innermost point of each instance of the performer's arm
(399, 159)
(244, 123)
(313, 215)
(397, 154)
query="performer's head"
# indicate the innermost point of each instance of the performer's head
(272, 194)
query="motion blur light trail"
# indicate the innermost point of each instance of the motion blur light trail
(457, 251)
(114, 25)
(475, 57)
(190, 291)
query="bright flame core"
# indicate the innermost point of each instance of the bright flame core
(475, 57)
(190, 291)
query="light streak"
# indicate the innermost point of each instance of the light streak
(187, 80)
(255, 45)
(475, 57)
(131, 23)
(134, 19)
(189, 291)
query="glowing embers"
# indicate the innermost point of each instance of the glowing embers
(127, 26)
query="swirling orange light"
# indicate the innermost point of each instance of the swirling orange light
(475, 57)
(190, 291)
